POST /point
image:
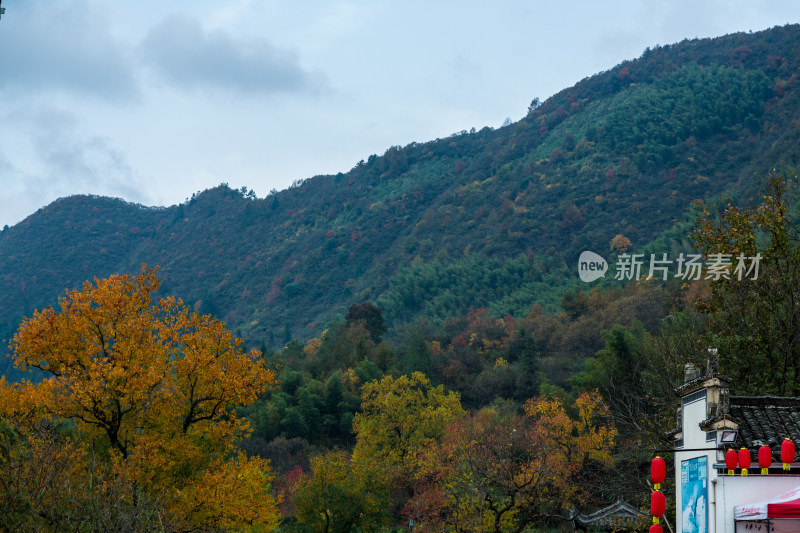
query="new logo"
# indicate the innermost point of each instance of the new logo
(591, 266)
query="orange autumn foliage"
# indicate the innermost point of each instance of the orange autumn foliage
(498, 471)
(154, 385)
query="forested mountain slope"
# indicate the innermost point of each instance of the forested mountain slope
(493, 218)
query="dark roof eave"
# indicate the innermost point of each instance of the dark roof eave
(706, 424)
(699, 381)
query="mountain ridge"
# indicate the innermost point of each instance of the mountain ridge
(491, 218)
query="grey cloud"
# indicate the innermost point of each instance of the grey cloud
(67, 162)
(84, 164)
(64, 45)
(180, 52)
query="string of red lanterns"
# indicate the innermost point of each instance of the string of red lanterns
(742, 458)
(658, 502)
(658, 472)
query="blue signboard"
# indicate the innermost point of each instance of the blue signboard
(694, 491)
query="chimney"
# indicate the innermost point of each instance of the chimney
(712, 363)
(689, 372)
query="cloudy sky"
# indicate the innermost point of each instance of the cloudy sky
(153, 100)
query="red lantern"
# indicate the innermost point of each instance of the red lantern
(787, 453)
(731, 459)
(744, 460)
(658, 472)
(764, 459)
(656, 528)
(658, 504)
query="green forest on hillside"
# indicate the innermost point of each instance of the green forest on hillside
(472, 423)
(393, 316)
(493, 218)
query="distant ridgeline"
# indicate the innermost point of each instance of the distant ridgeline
(494, 218)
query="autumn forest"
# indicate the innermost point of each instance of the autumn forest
(408, 346)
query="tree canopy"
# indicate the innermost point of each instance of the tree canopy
(754, 317)
(150, 387)
(500, 472)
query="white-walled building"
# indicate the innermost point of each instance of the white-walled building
(706, 496)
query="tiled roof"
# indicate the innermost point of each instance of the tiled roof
(697, 382)
(619, 516)
(760, 419)
(764, 420)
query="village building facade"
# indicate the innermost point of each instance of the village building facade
(710, 498)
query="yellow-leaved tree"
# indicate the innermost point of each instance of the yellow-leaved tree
(147, 388)
(340, 495)
(501, 472)
(399, 419)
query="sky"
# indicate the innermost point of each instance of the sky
(153, 100)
